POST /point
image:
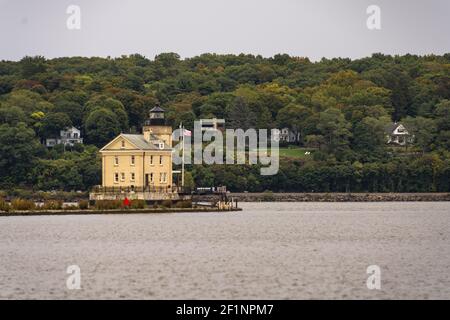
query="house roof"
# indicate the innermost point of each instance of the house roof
(391, 127)
(157, 109)
(139, 141)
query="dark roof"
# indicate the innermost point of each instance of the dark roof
(139, 141)
(157, 109)
(391, 127)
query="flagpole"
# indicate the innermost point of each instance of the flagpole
(182, 159)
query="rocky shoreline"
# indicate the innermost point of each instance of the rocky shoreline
(338, 197)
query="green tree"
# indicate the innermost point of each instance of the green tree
(369, 139)
(336, 131)
(19, 150)
(295, 118)
(442, 114)
(423, 131)
(101, 126)
(108, 103)
(53, 123)
(12, 115)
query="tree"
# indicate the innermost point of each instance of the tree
(423, 131)
(53, 123)
(32, 65)
(315, 141)
(335, 130)
(442, 114)
(240, 116)
(101, 126)
(294, 117)
(59, 174)
(189, 180)
(369, 139)
(168, 60)
(108, 103)
(19, 149)
(12, 115)
(73, 109)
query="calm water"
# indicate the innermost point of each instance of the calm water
(267, 251)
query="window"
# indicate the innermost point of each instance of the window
(132, 176)
(132, 160)
(163, 177)
(151, 159)
(151, 177)
(116, 160)
(116, 177)
(75, 135)
(122, 176)
(123, 144)
(160, 160)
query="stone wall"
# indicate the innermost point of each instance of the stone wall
(338, 197)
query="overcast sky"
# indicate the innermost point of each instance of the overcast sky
(312, 28)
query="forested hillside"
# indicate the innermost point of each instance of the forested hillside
(339, 107)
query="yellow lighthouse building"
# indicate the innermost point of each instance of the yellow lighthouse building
(139, 165)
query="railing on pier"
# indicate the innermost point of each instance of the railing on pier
(210, 190)
(150, 189)
(161, 189)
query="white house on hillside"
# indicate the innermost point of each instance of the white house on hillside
(68, 137)
(397, 134)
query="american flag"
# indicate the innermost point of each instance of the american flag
(187, 133)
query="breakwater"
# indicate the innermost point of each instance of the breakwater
(338, 197)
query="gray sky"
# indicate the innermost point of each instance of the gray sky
(312, 28)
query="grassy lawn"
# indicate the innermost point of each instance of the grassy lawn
(295, 152)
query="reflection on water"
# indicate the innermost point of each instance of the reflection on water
(267, 251)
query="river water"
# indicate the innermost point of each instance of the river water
(267, 251)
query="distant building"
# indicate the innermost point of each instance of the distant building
(212, 124)
(68, 137)
(285, 135)
(397, 134)
(140, 160)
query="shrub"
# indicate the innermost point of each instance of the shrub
(71, 207)
(22, 193)
(83, 204)
(137, 204)
(22, 204)
(52, 205)
(166, 203)
(184, 204)
(108, 204)
(4, 206)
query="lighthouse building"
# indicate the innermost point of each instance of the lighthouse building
(140, 162)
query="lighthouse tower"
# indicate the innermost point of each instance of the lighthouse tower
(155, 127)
